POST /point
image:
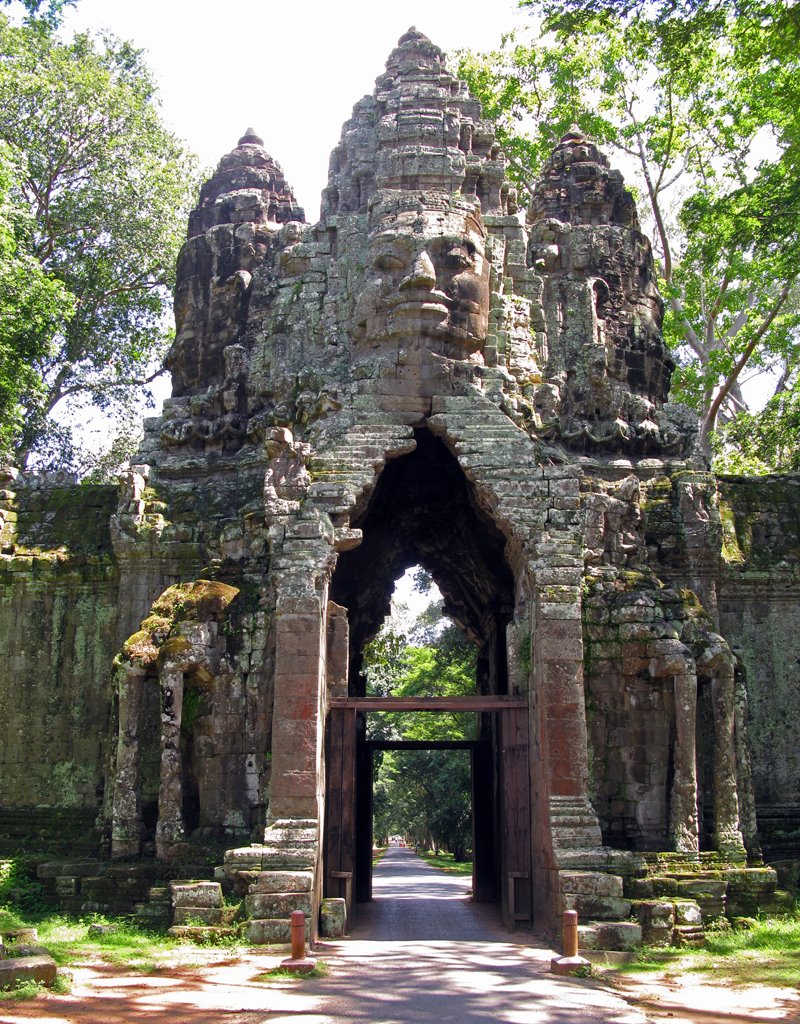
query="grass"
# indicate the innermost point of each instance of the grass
(445, 862)
(319, 970)
(768, 953)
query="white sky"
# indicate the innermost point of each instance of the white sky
(291, 71)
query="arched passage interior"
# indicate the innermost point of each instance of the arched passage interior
(422, 512)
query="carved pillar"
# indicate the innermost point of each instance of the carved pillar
(683, 826)
(126, 821)
(338, 651)
(296, 741)
(727, 834)
(169, 830)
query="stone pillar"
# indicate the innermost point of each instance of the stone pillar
(727, 837)
(563, 817)
(558, 658)
(338, 650)
(126, 820)
(169, 830)
(683, 825)
(297, 730)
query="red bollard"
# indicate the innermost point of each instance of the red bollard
(298, 961)
(298, 919)
(569, 940)
(570, 962)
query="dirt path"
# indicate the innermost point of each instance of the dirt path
(210, 990)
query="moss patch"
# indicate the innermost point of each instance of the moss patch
(199, 601)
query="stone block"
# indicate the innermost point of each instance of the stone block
(18, 970)
(687, 912)
(657, 919)
(605, 908)
(590, 883)
(333, 918)
(266, 932)
(197, 915)
(283, 881)
(688, 935)
(270, 905)
(196, 894)
(622, 935)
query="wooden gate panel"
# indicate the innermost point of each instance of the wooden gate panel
(340, 807)
(515, 813)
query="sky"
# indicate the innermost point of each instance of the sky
(292, 71)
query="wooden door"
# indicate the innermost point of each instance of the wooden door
(515, 817)
(340, 806)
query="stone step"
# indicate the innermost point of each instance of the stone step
(618, 935)
(597, 908)
(206, 916)
(204, 934)
(271, 931)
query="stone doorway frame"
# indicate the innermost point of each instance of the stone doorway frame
(501, 812)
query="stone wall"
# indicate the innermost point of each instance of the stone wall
(760, 614)
(58, 619)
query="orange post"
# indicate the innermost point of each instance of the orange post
(569, 962)
(298, 919)
(569, 938)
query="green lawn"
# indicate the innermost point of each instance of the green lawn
(767, 953)
(445, 862)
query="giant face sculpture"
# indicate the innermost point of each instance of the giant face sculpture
(427, 277)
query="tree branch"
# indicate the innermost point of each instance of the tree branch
(730, 380)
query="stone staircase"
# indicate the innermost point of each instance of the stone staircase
(279, 876)
(666, 900)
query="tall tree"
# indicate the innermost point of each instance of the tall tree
(107, 188)
(32, 305)
(703, 99)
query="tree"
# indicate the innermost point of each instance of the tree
(50, 12)
(423, 794)
(107, 189)
(32, 305)
(707, 110)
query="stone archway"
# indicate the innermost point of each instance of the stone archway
(422, 511)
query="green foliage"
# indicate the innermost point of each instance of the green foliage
(709, 115)
(32, 305)
(763, 442)
(422, 794)
(319, 970)
(22, 990)
(767, 953)
(47, 12)
(20, 892)
(95, 192)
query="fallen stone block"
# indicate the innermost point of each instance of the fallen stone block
(17, 970)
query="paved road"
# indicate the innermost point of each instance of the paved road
(422, 953)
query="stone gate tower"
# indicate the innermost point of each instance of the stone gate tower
(430, 374)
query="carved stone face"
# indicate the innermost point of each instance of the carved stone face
(427, 278)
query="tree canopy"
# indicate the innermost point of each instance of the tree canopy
(99, 190)
(422, 794)
(701, 98)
